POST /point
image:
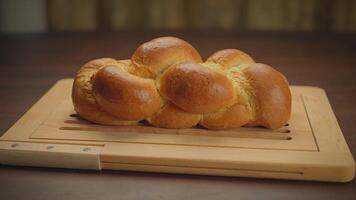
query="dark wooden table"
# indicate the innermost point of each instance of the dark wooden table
(30, 64)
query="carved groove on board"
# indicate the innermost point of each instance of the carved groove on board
(254, 132)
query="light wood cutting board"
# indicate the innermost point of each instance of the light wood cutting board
(310, 147)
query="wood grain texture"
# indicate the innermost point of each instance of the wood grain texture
(50, 155)
(325, 60)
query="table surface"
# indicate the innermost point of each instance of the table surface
(30, 64)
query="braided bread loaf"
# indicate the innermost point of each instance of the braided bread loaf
(167, 84)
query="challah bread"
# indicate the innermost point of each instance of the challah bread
(228, 58)
(124, 95)
(195, 88)
(84, 101)
(167, 84)
(263, 95)
(171, 116)
(158, 54)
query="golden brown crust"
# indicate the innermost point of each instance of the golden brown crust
(83, 100)
(233, 117)
(170, 116)
(195, 88)
(125, 96)
(160, 53)
(263, 95)
(241, 112)
(228, 58)
(164, 84)
(272, 95)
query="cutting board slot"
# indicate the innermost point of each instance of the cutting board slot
(112, 165)
(252, 133)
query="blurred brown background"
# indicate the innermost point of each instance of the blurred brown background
(17, 16)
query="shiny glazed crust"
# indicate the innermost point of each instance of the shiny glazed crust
(167, 84)
(195, 88)
(160, 53)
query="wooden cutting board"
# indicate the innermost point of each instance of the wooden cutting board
(310, 147)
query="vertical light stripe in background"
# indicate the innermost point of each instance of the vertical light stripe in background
(72, 15)
(122, 14)
(165, 14)
(205, 14)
